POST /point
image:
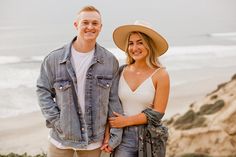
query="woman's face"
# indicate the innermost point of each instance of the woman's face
(136, 47)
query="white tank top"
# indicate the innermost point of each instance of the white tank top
(134, 102)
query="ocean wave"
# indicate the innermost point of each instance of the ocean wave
(12, 78)
(9, 59)
(228, 34)
(174, 53)
(17, 59)
(203, 49)
(5, 112)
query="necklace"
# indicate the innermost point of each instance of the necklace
(138, 71)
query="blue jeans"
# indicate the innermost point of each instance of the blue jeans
(129, 143)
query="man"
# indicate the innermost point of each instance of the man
(77, 91)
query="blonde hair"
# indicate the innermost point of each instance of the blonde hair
(152, 58)
(89, 8)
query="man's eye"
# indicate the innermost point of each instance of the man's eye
(85, 23)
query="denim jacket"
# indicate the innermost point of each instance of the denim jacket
(153, 136)
(56, 90)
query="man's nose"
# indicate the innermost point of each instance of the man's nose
(90, 26)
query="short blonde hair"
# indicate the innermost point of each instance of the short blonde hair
(89, 8)
(152, 58)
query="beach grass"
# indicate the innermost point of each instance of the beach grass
(23, 155)
(38, 155)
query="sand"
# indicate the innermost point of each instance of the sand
(24, 133)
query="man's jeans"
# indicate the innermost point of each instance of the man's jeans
(56, 152)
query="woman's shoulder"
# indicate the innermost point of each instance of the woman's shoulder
(121, 68)
(161, 74)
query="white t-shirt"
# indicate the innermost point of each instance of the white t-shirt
(80, 62)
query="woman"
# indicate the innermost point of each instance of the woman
(143, 85)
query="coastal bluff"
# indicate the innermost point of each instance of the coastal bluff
(208, 128)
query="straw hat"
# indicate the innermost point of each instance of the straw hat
(121, 33)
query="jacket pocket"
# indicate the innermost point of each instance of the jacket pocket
(63, 93)
(64, 100)
(62, 85)
(58, 127)
(104, 81)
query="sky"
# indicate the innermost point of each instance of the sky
(178, 20)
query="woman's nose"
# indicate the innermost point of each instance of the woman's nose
(135, 47)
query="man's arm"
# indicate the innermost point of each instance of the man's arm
(115, 106)
(46, 94)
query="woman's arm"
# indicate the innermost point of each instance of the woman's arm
(162, 85)
(121, 121)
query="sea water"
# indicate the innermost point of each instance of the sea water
(189, 67)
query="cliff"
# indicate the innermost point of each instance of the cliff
(208, 128)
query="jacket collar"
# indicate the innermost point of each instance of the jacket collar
(98, 54)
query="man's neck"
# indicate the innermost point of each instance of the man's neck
(83, 46)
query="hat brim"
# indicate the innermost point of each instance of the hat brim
(121, 33)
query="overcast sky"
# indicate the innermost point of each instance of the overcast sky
(173, 18)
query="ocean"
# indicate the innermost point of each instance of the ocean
(190, 67)
(202, 51)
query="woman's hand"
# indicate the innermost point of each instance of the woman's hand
(119, 121)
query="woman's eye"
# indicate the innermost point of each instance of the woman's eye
(131, 44)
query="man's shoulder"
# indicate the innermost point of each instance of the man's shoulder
(56, 52)
(105, 51)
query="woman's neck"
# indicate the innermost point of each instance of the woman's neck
(139, 66)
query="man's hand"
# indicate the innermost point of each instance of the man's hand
(106, 148)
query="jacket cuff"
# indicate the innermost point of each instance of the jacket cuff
(115, 139)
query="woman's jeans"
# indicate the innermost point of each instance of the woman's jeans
(129, 143)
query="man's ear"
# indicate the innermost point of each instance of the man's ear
(75, 24)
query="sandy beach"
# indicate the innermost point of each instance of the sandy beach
(23, 133)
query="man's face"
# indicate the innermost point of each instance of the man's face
(88, 25)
